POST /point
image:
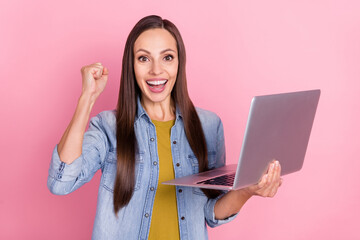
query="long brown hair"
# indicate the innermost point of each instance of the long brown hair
(127, 107)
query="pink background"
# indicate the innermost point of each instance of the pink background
(236, 49)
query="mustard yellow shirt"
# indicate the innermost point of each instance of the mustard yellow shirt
(164, 217)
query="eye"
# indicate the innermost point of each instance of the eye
(143, 59)
(168, 57)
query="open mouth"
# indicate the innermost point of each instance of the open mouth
(156, 83)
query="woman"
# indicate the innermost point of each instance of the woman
(154, 135)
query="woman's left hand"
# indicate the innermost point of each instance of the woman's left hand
(269, 183)
(233, 201)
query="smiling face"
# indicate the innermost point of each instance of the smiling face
(155, 65)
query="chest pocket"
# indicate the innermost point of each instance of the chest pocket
(195, 168)
(109, 172)
(195, 163)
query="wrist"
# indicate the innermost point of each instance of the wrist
(85, 104)
(231, 203)
(244, 193)
(87, 98)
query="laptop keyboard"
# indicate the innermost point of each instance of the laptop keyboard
(226, 180)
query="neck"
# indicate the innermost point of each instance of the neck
(160, 111)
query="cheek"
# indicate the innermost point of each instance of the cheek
(173, 70)
(139, 73)
(136, 70)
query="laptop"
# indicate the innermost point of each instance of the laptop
(278, 127)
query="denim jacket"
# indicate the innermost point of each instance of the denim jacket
(195, 210)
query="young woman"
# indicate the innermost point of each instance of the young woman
(155, 134)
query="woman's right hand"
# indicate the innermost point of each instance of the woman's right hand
(94, 78)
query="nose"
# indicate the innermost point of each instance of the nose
(156, 68)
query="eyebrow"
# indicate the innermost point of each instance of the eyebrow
(163, 51)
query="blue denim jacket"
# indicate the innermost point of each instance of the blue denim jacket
(133, 222)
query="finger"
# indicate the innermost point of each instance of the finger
(264, 187)
(277, 171)
(98, 72)
(278, 174)
(271, 173)
(263, 181)
(276, 179)
(105, 71)
(268, 187)
(273, 192)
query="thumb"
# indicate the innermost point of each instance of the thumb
(97, 73)
(105, 71)
(263, 181)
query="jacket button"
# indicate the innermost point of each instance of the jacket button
(152, 139)
(180, 190)
(178, 164)
(155, 163)
(174, 142)
(146, 215)
(182, 218)
(152, 188)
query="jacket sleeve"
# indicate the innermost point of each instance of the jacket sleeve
(220, 162)
(65, 178)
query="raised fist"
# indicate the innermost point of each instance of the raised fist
(94, 78)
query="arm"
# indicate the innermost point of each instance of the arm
(94, 78)
(78, 155)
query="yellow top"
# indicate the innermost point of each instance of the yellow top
(164, 217)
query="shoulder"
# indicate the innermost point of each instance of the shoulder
(108, 117)
(208, 119)
(105, 120)
(103, 127)
(212, 127)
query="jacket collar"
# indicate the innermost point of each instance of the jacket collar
(142, 113)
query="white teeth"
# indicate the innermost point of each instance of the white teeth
(156, 83)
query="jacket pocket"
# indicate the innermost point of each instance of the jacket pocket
(109, 172)
(195, 167)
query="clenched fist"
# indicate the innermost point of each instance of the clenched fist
(94, 78)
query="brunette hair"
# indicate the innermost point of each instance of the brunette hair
(127, 108)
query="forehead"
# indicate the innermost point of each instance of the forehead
(154, 40)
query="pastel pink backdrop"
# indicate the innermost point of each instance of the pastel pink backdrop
(236, 49)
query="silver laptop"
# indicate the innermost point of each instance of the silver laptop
(278, 127)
